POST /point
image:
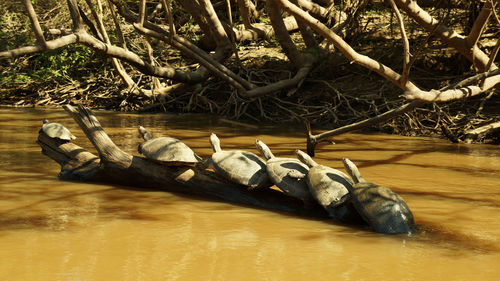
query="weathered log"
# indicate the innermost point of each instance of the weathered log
(472, 135)
(115, 166)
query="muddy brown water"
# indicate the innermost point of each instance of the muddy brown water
(56, 230)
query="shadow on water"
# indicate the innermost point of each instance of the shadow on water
(436, 235)
(405, 154)
(429, 235)
(116, 202)
(450, 196)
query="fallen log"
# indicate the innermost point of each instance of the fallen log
(114, 166)
(472, 135)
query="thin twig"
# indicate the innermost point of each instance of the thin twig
(478, 27)
(119, 32)
(142, 12)
(37, 29)
(170, 18)
(231, 34)
(406, 45)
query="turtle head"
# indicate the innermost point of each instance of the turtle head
(215, 142)
(45, 121)
(305, 158)
(144, 133)
(264, 149)
(352, 170)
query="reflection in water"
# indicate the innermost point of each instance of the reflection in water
(56, 230)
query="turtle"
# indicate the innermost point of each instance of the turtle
(238, 166)
(287, 174)
(56, 131)
(166, 150)
(330, 187)
(384, 210)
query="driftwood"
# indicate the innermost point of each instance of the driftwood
(474, 134)
(115, 166)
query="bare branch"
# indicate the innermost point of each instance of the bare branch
(306, 32)
(75, 15)
(168, 12)
(97, 14)
(472, 135)
(119, 32)
(218, 30)
(60, 32)
(479, 25)
(89, 23)
(98, 20)
(286, 43)
(450, 37)
(244, 8)
(313, 140)
(280, 85)
(187, 48)
(155, 82)
(231, 34)
(478, 28)
(493, 55)
(142, 12)
(346, 49)
(37, 29)
(113, 51)
(262, 30)
(49, 45)
(455, 94)
(219, 70)
(406, 44)
(494, 11)
(193, 8)
(471, 80)
(314, 9)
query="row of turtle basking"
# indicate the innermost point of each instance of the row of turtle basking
(345, 199)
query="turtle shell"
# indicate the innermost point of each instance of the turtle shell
(382, 208)
(56, 130)
(168, 150)
(241, 167)
(329, 187)
(280, 169)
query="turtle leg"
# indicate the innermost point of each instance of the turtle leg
(204, 163)
(296, 174)
(344, 199)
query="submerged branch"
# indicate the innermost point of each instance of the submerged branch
(313, 140)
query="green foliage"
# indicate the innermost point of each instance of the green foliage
(11, 36)
(265, 20)
(61, 62)
(57, 66)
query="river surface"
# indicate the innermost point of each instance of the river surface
(57, 230)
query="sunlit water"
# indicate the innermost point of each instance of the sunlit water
(56, 230)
